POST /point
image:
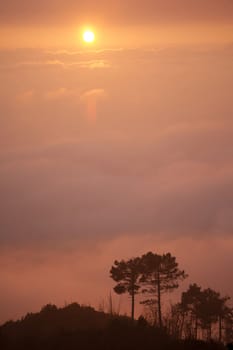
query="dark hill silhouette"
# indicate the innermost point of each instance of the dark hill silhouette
(81, 327)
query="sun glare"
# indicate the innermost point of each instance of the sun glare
(88, 36)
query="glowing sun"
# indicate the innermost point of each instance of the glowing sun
(88, 36)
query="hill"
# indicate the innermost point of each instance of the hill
(80, 327)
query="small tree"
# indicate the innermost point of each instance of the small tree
(127, 275)
(174, 321)
(160, 274)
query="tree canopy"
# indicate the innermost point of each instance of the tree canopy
(127, 275)
(156, 273)
(160, 274)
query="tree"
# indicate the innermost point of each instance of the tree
(228, 326)
(190, 304)
(224, 314)
(205, 307)
(160, 273)
(213, 309)
(127, 275)
(209, 309)
(174, 320)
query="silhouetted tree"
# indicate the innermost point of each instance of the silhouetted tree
(150, 311)
(190, 304)
(228, 326)
(206, 307)
(160, 274)
(127, 275)
(174, 321)
(209, 309)
(213, 309)
(225, 314)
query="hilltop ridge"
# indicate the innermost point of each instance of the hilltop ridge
(82, 327)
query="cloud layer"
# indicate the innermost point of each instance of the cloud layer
(121, 12)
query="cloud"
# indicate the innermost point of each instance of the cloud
(98, 188)
(153, 171)
(75, 94)
(62, 93)
(153, 161)
(32, 64)
(93, 93)
(71, 11)
(93, 64)
(110, 58)
(83, 52)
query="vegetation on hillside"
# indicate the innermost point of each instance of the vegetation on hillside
(202, 319)
(201, 313)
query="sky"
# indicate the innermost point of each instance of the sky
(113, 149)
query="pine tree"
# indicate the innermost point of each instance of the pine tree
(161, 274)
(127, 275)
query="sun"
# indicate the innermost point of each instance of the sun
(88, 36)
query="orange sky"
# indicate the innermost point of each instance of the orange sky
(110, 150)
(30, 23)
(121, 12)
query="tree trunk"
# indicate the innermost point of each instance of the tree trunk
(182, 325)
(220, 329)
(196, 327)
(159, 301)
(132, 305)
(210, 332)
